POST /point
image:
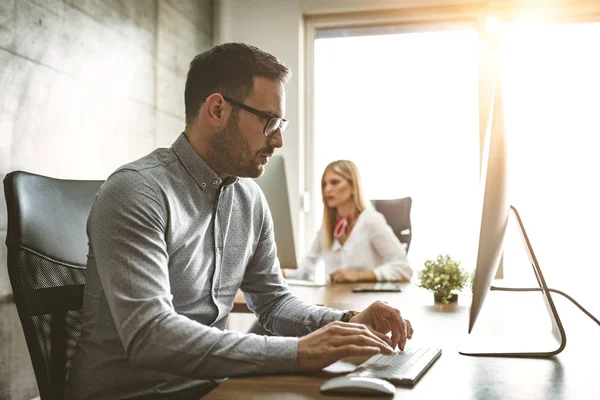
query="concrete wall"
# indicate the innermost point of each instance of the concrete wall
(85, 86)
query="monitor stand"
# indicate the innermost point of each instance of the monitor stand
(499, 348)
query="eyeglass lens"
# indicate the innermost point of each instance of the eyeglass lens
(272, 126)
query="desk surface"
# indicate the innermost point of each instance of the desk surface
(570, 375)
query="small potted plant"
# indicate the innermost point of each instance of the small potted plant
(444, 277)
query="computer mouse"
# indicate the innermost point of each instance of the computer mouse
(358, 385)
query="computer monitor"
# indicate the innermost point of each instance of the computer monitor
(274, 186)
(494, 207)
(495, 213)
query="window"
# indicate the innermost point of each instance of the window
(552, 110)
(404, 107)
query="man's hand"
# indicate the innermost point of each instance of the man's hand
(383, 318)
(339, 340)
(344, 275)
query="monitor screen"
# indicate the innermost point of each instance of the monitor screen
(495, 206)
(494, 220)
(495, 213)
(274, 186)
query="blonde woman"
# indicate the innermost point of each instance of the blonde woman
(355, 241)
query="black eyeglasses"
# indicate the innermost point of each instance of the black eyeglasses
(273, 124)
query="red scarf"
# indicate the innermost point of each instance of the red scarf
(342, 227)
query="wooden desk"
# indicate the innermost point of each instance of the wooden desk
(570, 375)
(338, 296)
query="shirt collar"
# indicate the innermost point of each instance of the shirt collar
(204, 176)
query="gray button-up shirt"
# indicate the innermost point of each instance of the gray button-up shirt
(169, 246)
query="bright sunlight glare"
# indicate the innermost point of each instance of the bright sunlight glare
(405, 108)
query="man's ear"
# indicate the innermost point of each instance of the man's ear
(216, 110)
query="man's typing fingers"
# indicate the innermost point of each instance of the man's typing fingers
(409, 329)
(359, 330)
(398, 328)
(363, 341)
(352, 350)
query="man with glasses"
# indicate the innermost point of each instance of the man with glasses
(175, 234)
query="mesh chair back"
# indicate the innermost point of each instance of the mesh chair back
(47, 254)
(397, 215)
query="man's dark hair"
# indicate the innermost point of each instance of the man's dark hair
(228, 69)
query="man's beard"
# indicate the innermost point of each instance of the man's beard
(231, 153)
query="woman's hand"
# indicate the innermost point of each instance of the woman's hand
(350, 275)
(344, 275)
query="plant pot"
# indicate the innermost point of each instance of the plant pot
(437, 297)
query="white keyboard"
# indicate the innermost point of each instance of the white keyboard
(302, 282)
(402, 367)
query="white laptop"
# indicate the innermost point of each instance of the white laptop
(302, 282)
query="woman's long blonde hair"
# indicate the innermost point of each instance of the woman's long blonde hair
(347, 170)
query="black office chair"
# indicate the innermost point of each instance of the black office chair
(397, 215)
(47, 256)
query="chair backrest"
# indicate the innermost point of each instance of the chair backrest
(47, 255)
(397, 215)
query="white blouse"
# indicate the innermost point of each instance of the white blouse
(371, 245)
